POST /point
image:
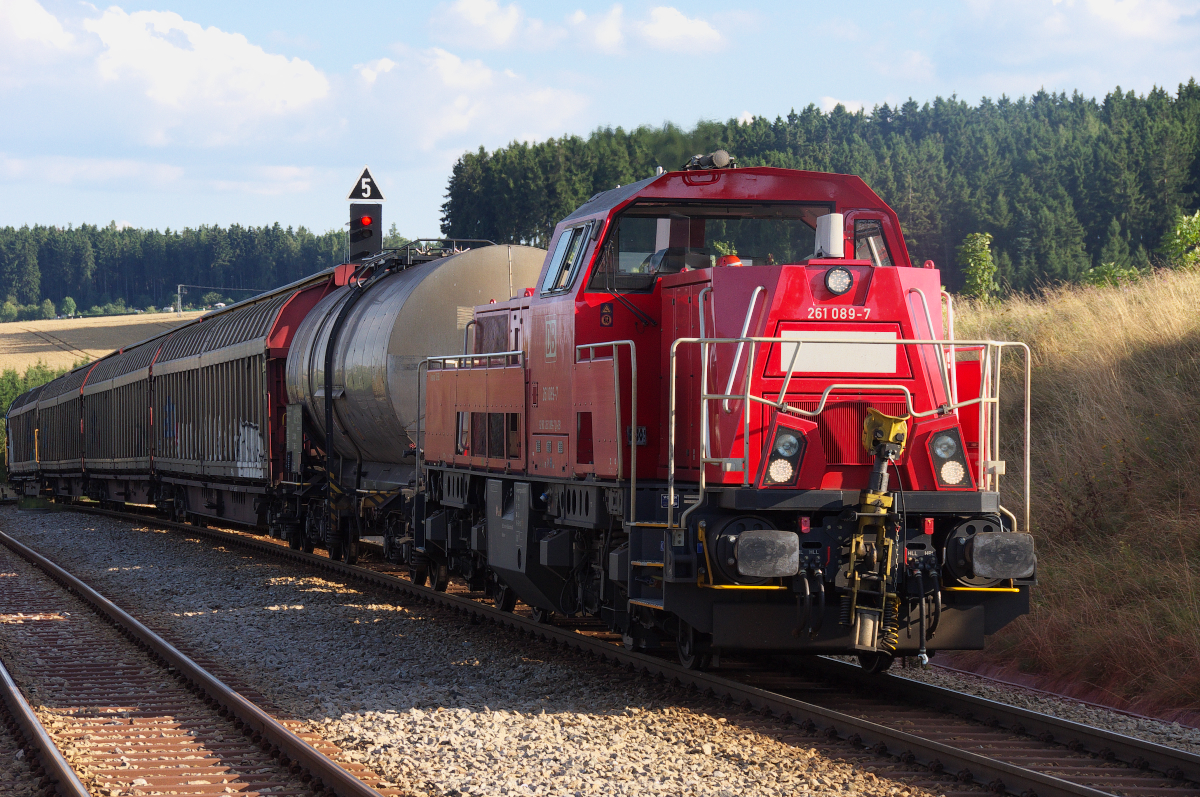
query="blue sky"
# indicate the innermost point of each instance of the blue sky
(176, 113)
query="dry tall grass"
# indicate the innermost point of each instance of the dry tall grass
(1116, 487)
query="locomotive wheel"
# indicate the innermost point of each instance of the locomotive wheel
(541, 615)
(295, 539)
(335, 550)
(441, 578)
(419, 574)
(505, 597)
(691, 646)
(875, 662)
(350, 553)
(307, 545)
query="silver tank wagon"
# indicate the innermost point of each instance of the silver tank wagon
(399, 321)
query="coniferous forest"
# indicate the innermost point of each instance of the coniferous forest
(98, 266)
(1062, 183)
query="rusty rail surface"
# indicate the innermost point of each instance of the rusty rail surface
(59, 773)
(256, 722)
(1127, 766)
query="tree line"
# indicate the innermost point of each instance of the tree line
(107, 268)
(1061, 184)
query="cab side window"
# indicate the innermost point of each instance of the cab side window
(869, 243)
(568, 256)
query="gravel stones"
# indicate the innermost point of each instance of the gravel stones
(431, 704)
(1171, 734)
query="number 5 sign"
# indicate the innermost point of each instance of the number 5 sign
(365, 189)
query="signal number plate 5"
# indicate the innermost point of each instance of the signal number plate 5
(839, 313)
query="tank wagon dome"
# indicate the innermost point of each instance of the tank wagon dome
(416, 313)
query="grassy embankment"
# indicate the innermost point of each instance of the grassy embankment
(1116, 488)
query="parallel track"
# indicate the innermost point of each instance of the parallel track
(980, 741)
(140, 714)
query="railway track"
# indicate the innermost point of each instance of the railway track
(975, 741)
(132, 713)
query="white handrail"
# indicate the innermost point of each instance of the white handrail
(989, 394)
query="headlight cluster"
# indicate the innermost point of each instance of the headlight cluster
(784, 457)
(838, 280)
(949, 459)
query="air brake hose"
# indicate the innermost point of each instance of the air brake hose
(803, 606)
(922, 655)
(937, 606)
(820, 618)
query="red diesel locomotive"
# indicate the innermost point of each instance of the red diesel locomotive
(728, 414)
(728, 417)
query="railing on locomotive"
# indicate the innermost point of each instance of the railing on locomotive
(989, 395)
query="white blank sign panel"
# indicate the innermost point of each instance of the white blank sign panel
(839, 358)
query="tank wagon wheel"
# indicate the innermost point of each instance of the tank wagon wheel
(441, 578)
(541, 615)
(307, 545)
(875, 662)
(691, 646)
(295, 539)
(505, 597)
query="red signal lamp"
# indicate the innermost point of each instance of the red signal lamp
(365, 221)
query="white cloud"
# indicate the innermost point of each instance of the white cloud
(92, 172)
(26, 20)
(829, 103)
(269, 181)
(483, 22)
(182, 65)
(1142, 19)
(473, 102)
(455, 73)
(669, 29)
(745, 118)
(373, 69)
(604, 32)
(488, 25)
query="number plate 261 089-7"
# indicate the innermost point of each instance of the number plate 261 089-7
(839, 313)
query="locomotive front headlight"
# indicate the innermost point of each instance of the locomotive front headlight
(781, 471)
(952, 472)
(786, 445)
(948, 456)
(838, 280)
(783, 457)
(944, 446)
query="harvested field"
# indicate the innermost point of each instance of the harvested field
(62, 342)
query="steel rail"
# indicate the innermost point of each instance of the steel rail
(937, 757)
(320, 766)
(59, 773)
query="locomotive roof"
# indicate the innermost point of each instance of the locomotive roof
(762, 183)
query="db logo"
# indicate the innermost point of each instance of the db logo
(606, 314)
(551, 339)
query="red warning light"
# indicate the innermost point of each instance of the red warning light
(365, 221)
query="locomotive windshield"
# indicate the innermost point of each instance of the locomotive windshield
(652, 239)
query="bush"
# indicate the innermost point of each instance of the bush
(1182, 244)
(68, 306)
(978, 267)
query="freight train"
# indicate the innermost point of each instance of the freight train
(723, 412)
